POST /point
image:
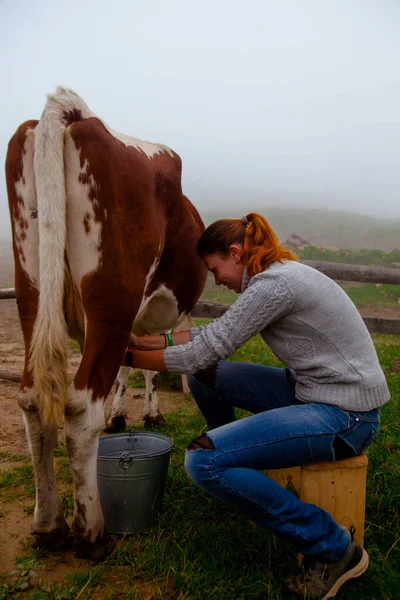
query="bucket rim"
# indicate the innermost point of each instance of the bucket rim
(136, 434)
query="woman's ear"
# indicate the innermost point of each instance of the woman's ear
(235, 252)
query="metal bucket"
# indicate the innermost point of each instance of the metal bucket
(131, 475)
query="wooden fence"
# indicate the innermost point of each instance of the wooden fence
(337, 271)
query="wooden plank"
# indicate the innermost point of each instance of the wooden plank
(10, 375)
(344, 272)
(340, 489)
(7, 293)
(208, 310)
(377, 325)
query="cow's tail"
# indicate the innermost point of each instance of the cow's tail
(48, 351)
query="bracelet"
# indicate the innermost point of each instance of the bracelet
(129, 356)
(168, 337)
(165, 340)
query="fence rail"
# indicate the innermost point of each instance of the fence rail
(344, 272)
(337, 271)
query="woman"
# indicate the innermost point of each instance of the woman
(323, 406)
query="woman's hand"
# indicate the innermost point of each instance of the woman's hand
(157, 342)
(135, 342)
(147, 342)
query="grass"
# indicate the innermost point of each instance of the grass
(201, 548)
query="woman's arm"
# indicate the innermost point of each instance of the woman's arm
(149, 359)
(158, 342)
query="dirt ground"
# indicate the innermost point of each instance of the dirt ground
(14, 522)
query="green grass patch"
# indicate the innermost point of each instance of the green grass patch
(11, 457)
(375, 294)
(17, 483)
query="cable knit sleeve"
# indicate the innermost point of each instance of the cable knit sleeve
(262, 303)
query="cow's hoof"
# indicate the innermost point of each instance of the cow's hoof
(96, 551)
(156, 421)
(59, 539)
(115, 425)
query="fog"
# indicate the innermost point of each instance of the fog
(268, 102)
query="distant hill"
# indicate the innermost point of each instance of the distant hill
(325, 227)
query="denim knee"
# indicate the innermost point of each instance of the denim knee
(197, 465)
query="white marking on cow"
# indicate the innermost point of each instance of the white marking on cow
(147, 148)
(119, 402)
(83, 423)
(26, 227)
(42, 439)
(147, 281)
(84, 232)
(67, 100)
(150, 404)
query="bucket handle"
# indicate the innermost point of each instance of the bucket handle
(125, 461)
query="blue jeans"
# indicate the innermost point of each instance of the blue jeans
(282, 432)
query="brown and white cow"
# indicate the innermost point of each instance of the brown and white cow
(104, 244)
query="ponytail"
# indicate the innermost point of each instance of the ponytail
(260, 244)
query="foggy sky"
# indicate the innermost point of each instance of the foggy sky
(268, 102)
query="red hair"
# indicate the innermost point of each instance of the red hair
(260, 243)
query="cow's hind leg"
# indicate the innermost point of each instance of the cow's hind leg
(116, 422)
(151, 414)
(49, 529)
(84, 420)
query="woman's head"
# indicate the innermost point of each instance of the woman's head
(250, 242)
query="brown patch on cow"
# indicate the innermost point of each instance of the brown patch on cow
(33, 212)
(86, 222)
(27, 295)
(72, 116)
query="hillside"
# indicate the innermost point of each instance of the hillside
(326, 228)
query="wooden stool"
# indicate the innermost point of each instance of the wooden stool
(337, 487)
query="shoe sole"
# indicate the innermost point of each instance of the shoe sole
(355, 572)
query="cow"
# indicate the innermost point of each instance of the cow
(104, 245)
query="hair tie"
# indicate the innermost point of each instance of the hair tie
(245, 221)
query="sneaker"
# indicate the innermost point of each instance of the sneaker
(324, 580)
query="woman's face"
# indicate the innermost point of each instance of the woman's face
(227, 271)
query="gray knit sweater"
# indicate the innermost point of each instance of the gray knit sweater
(309, 323)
